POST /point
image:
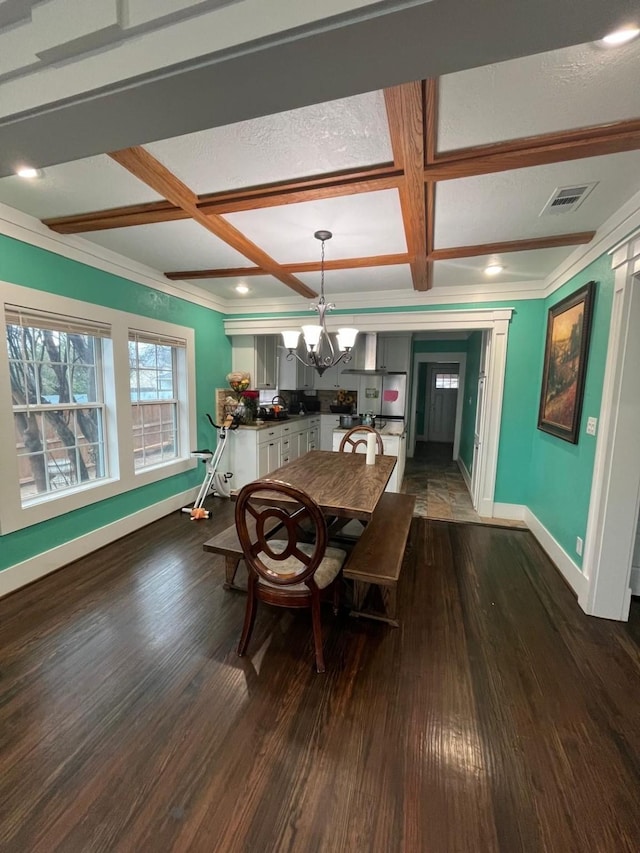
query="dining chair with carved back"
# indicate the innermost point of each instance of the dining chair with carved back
(343, 530)
(351, 441)
(273, 521)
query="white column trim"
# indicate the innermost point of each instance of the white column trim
(615, 489)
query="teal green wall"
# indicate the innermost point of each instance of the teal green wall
(561, 473)
(470, 401)
(36, 268)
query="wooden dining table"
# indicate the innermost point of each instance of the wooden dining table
(342, 484)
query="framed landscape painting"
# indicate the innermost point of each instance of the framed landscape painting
(565, 364)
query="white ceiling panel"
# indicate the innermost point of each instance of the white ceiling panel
(559, 90)
(260, 287)
(85, 185)
(506, 206)
(170, 246)
(343, 134)
(518, 266)
(362, 225)
(363, 280)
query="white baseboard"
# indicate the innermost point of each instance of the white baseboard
(42, 564)
(515, 512)
(466, 476)
(634, 583)
(569, 570)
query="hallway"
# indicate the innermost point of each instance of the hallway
(441, 491)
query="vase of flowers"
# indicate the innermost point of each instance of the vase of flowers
(250, 401)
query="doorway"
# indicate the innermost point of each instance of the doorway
(441, 395)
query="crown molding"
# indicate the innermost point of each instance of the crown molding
(28, 229)
(611, 234)
(466, 319)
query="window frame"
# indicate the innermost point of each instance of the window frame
(118, 421)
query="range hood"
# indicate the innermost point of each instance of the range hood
(370, 352)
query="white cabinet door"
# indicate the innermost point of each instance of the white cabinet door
(266, 361)
(287, 371)
(327, 425)
(393, 352)
(263, 460)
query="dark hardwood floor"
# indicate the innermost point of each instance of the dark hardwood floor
(497, 718)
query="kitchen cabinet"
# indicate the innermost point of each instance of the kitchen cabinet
(335, 378)
(327, 425)
(258, 356)
(256, 452)
(393, 352)
(294, 375)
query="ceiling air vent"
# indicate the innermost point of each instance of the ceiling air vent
(566, 199)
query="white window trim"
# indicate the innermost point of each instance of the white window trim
(118, 422)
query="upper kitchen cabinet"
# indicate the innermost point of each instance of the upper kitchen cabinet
(294, 375)
(393, 352)
(333, 378)
(258, 356)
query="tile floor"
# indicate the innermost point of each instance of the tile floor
(441, 492)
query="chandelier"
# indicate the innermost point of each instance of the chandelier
(321, 351)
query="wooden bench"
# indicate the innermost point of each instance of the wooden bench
(375, 559)
(228, 544)
(377, 556)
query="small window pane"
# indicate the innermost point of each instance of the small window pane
(446, 380)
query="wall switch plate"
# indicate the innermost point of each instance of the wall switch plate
(592, 423)
(579, 544)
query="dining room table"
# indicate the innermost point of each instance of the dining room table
(342, 484)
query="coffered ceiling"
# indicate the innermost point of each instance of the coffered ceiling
(422, 184)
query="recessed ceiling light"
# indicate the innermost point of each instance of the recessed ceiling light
(242, 288)
(621, 36)
(28, 172)
(493, 269)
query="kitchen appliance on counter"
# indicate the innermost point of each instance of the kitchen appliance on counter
(349, 421)
(277, 411)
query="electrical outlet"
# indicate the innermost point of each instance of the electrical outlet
(579, 544)
(592, 423)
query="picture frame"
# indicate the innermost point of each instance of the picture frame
(565, 364)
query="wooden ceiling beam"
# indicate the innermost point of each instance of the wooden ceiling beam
(311, 266)
(576, 239)
(252, 198)
(146, 168)
(535, 151)
(406, 127)
(430, 93)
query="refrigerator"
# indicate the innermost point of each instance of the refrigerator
(383, 394)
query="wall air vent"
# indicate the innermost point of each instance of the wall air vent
(566, 199)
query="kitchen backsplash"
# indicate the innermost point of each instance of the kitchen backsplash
(342, 396)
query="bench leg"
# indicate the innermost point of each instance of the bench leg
(389, 601)
(230, 568)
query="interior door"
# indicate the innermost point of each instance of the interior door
(443, 399)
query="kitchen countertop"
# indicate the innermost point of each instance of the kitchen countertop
(269, 424)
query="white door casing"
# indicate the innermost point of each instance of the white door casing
(615, 489)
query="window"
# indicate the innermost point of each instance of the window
(154, 397)
(90, 408)
(58, 406)
(447, 380)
